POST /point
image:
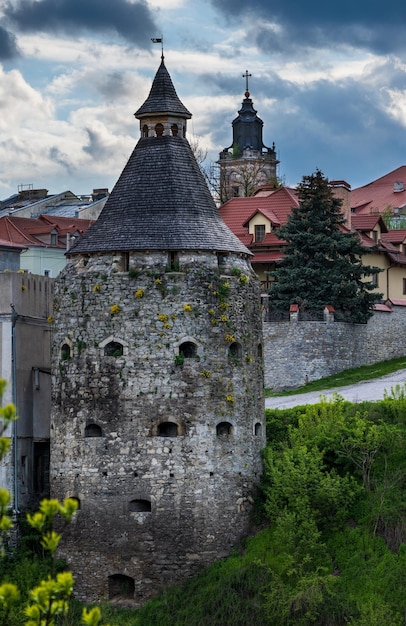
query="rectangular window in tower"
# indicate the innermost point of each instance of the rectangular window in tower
(404, 286)
(173, 261)
(259, 232)
(125, 262)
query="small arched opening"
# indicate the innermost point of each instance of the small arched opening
(93, 430)
(167, 429)
(140, 505)
(224, 429)
(121, 586)
(145, 130)
(159, 129)
(77, 500)
(188, 349)
(114, 348)
(174, 130)
(65, 352)
(235, 351)
(258, 429)
(260, 350)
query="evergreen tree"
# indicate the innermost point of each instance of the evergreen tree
(323, 264)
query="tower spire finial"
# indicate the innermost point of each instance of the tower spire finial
(246, 75)
(161, 41)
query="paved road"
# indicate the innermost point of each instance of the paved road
(371, 390)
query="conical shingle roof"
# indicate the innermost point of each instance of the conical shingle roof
(161, 200)
(162, 97)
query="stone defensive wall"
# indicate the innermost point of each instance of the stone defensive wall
(297, 352)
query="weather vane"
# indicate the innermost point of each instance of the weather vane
(161, 41)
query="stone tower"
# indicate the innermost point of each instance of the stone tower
(247, 163)
(158, 412)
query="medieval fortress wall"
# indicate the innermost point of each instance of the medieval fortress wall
(158, 417)
(298, 352)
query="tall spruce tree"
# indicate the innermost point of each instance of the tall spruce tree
(323, 264)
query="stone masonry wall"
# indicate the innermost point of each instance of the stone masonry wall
(299, 352)
(161, 451)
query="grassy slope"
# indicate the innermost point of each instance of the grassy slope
(348, 377)
(356, 578)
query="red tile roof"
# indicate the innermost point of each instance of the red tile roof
(367, 222)
(237, 211)
(394, 236)
(5, 243)
(396, 302)
(28, 231)
(393, 253)
(379, 194)
(267, 256)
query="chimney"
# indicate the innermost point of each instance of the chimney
(342, 190)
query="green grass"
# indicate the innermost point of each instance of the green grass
(347, 377)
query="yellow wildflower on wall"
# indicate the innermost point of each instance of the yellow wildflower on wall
(205, 374)
(139, 293)
(115, 308)
(230, 338)
(187, 307)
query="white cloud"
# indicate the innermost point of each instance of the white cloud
(397, 107)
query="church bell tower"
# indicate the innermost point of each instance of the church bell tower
(247, 163)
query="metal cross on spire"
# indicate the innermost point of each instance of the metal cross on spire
(246, 76)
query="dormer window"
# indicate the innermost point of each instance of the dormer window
(54, 237)
(259, 232)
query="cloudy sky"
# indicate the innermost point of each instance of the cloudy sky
(328, 80)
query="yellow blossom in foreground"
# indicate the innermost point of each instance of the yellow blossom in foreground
(139, 293)
(187, 307)
(230, 338)
(230, 398)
